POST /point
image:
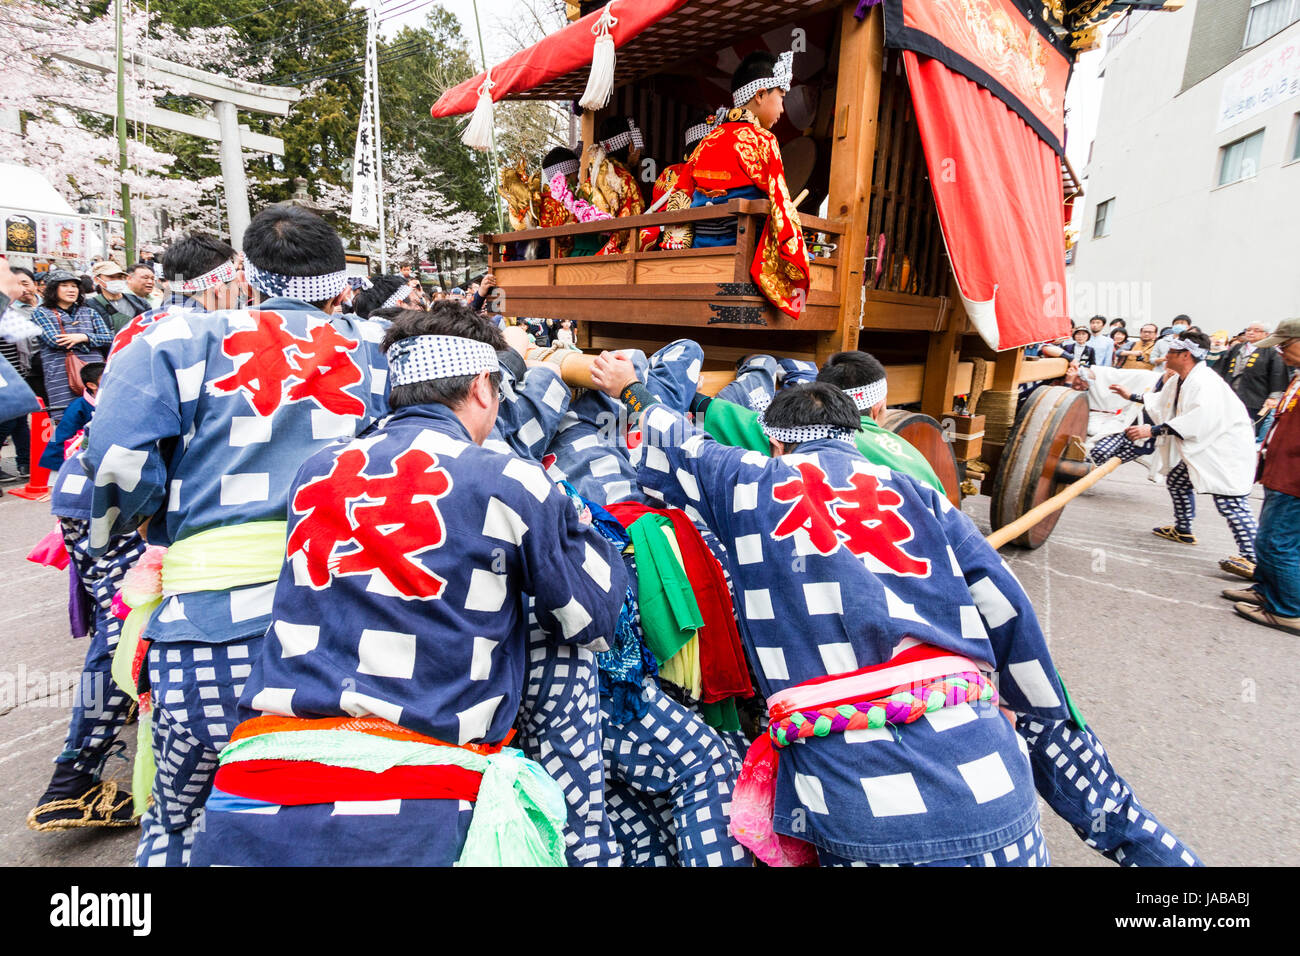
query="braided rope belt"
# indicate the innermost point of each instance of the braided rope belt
(901, 707)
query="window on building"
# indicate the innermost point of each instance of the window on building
(1101, 226)
(1240, 160)
(1295, 146)
(1268, 17)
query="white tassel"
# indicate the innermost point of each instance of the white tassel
(478, 131)
(600, 84)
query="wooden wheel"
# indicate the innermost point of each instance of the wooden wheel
(1034, 464)
(926, 435)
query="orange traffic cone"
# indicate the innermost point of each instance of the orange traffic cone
(38, 480)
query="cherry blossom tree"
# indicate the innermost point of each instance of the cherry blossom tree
(65, 135)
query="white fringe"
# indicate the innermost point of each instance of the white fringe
(478, 131)
(600, 84)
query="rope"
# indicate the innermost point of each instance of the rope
(902, 707)
(999, 411)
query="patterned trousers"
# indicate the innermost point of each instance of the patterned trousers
(560, 728)
(1119, 445)
(675, 770)
(1234, 508)
(100, 707)
(1074, 775)
(196, 690)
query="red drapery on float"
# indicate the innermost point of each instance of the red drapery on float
(558, 54)
(989, 91)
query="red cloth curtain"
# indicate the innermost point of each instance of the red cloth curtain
(997, 186)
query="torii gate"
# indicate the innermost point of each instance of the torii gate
(226, 96)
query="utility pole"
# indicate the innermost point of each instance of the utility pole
(129, 250)
(372, 55)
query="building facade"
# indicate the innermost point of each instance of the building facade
(1193, 185)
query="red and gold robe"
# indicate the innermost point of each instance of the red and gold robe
(677, 236)
(553, 213)
(739, 153)
(616, 192)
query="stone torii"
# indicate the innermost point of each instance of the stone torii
(226, 96)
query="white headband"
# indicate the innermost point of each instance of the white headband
(398, 296)
(1182, 345)
(303, 288)
(619, 140)
(782, 76)
(802, 433)
(222, 273)
(427, 358)
(565, 167)
(697, 132)
(867, 397)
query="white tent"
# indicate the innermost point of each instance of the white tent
(23, 188)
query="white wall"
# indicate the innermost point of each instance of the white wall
(1177, 241)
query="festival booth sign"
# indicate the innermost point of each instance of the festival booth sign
(988, 86)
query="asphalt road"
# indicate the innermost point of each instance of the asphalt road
(1197, 707)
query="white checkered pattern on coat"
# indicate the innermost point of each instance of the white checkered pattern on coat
(196, 689)
(101, 707)
(560, 725)
(672, 753)
(1234, 508)
(1027, 850)
(1073, 773)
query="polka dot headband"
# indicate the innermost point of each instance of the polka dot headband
(798, 434)
(221, 274)
(303, 288)
(867, 397)
(781, 78)
(427, 358)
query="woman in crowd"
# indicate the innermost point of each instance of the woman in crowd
(68, 328)
(1120, 338)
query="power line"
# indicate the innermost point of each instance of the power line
(357, 65)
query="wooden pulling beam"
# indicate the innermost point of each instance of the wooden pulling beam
(905, 381)
(1055, 503)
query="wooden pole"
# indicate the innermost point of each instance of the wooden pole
(128, 221)
(857, 101)
(1055, 503)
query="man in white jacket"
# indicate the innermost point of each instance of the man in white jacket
(1204, 445)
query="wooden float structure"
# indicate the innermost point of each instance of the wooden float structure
(889, 284)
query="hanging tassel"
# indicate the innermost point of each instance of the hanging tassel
(600, 84)
(478, 131)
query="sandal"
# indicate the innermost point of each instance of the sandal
(1261, 616)
(103, 805)
(1241, 567)
(1173, 534)
(1243, 595)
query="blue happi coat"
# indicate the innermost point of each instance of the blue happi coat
(203, 421)
(411, 554)
(839, 564)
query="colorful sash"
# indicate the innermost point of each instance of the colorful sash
(920, 680)
(519, 812)
(219, 559)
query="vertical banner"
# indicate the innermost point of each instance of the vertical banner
(365, 160)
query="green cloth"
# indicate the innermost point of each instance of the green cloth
(587, 245)
(1073, 707)
(669, 614)
(732, 424)
(722, 715)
